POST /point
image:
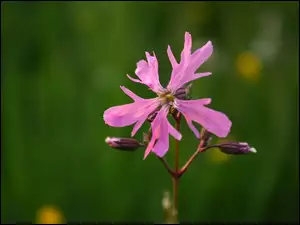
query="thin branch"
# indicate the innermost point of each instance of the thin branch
(199, 150)
(166, 165)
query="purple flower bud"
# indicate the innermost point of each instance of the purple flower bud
(183, 92)
(152, 115)
(127, 144)
(205, 137)
(236, 148)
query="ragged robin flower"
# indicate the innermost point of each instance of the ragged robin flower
(169, 99)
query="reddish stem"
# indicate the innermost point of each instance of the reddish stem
(166, 165)
(200, 149)
(176, 177)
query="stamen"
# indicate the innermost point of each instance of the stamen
(166, 98)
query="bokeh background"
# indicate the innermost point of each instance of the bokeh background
(61, 67)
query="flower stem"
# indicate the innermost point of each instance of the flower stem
(200, 149)
(188, 163)
(166, 165)
(176, 177)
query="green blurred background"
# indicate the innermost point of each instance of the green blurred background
(62, 65)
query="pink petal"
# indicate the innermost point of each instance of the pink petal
(187, 40)
(136, 112)
(191, 126)
(138, 125)
(121, 116)
(173, 63)
(134, 80)
(161, 128)
(149, 147)
(202, 101)
(199, 75)
(175, 133)
(162, 144)
(155, 126)
(131, 94)
(187, 79)
(144, 73)
(184, 72)
(147, 72)
(214, 121)
(186, 52)
(141, 67)
(200, 56)
(171, 57)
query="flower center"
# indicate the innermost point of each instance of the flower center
(166, 98)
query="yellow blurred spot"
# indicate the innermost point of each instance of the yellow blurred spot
(217, 156)
(49, 215)
(249, 65)
(229, 138)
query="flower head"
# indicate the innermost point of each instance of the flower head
(171, 97)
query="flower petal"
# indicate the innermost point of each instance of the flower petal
(134, 80)
(161, 128)
(186, 52)
(128, 114)
(184, 72)
(200, 56)
(149, 147)
(193, 77)
(171, 57)
(214, 121)
(192, 127)
(138, 125)
(162, 144)
(131, 94)
(155, 126)
(175, 133)
(147, 72)
(202, 101)
(178, 70)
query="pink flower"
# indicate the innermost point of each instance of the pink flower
(193, 110)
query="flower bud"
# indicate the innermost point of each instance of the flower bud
(152, 115)
(126, 144)
(205, 137)
(183, 92)
(236, 148)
